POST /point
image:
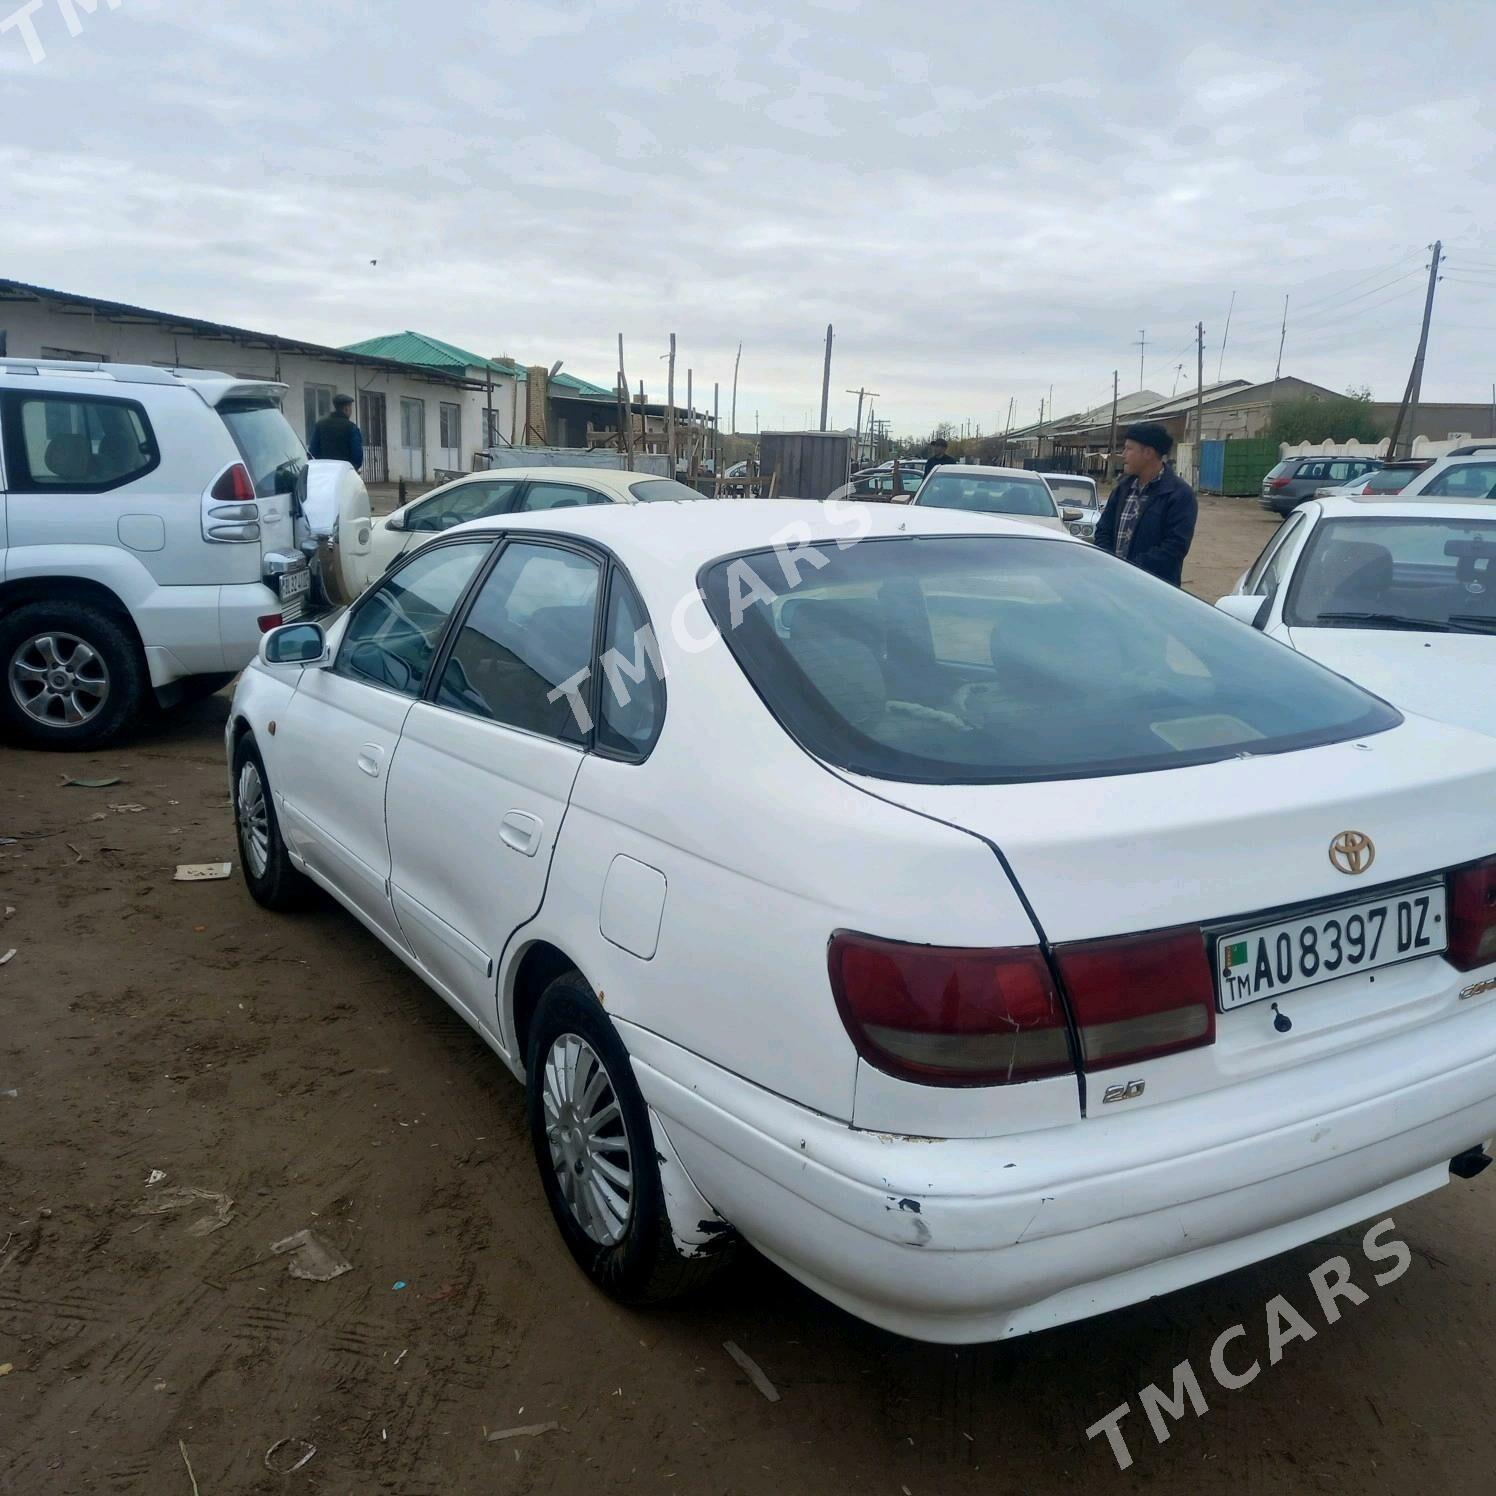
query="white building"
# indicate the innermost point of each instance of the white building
(417, 417)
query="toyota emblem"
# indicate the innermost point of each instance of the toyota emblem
(1352, 852)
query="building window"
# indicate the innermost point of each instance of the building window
(318, 403)
(491, 436)
(74, 353)
(450, 421)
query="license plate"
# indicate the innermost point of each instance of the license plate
(295, 583)
(1270, 960)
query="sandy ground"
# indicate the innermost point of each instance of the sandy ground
(293, 1066)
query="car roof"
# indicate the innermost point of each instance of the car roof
(666, 544)
(213, 385)
(1395, 505)
(982, 470)
(616, 481)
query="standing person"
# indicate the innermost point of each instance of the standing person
(938, 451)
(1150, 518)
(337, 436)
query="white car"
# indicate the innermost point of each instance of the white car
(509, 491)
(147, 539)
(1015, 493)
(1076, 492)
(1468, 472)
(1395, 592)
(988, 933)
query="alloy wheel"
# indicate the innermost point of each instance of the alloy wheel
(58, 679)
(254, 818)
(589, 1145)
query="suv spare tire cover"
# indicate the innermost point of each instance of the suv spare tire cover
(337, 510)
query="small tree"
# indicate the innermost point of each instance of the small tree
(1339, 418)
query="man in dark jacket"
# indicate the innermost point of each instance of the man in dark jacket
(938, 452)
(1150, 518)
(337, 436)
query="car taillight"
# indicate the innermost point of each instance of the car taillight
(1136, 997)
(1472, 915)
(950, 1016)
(268, 621)
(234, 486)
(1278, 483)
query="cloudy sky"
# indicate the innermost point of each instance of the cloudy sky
(984, 204)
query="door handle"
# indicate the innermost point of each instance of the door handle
(371, 759)
(521, 831)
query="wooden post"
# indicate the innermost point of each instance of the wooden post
(670, 408)
(716, 429)
(691, 463)
(1199, 401)
(733, 419)
(626, 427)
(1111, 441)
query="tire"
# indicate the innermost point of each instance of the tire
(72, 677)
(268, 874)
(633, 1259)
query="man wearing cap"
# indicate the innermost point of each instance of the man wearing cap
(336, 435)
(939, 451)
(1149, 520)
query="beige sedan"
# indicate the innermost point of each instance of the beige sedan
(1013, 493)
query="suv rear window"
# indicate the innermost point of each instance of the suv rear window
(270, 447)
(980, 660)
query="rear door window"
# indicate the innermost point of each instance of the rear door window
(558, 496)
(76, 443)
(1466, 480)
(523, 652)
(270, 447)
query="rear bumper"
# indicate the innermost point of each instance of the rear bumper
(979, 1239)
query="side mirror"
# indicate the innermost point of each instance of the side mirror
(395, 521)
(294, 644)
(1246, 608)
(1070, 515)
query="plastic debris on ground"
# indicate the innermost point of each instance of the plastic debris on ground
(752, 1369)
(157, 1175)
(202, 872)
(286, 1455)
(184, 1197)
(69, 783)
(524, 1431)
(311, 1257)
(7, 956)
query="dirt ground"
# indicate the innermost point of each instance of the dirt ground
(292, 1066)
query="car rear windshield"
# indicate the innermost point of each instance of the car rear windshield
(1069, 491)
(1397, 571)
(1390, 479)
(660, 490)
(986, 494)
(1280, 468)
(993, 659)
(270, 447)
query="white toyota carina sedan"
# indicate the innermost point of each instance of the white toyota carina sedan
(986, 932)
(1396, 593)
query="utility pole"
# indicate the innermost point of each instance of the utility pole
(1142, 346)
(1221, 364)
(1199, 399)
(1111, 441)
(826, 379)
(691, 422)
(1282, 338)
(733, 419)
(869, 394)
(670, 407)
(1009, 427)
(1408, 411)
(716, 430)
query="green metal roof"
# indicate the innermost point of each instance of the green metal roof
(422, 348)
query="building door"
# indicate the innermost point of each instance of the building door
(376, 446)
(450, 420)
(413, 438)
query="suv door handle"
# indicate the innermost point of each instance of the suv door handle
(371, 759)
(521, 831)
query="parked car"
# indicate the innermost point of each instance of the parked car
(1397, 593)
(880, 485)
(1295, 479)
(147, 539)
(1014, 492)
(1076, 491)
(1390, 478)
(509, 491)
(1057, 942)
(1467, 473)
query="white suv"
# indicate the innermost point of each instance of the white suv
(147, 539)
(1468, 472)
